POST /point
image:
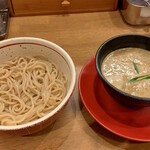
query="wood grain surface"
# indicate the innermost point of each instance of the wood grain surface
(80, 35)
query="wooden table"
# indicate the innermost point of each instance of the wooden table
(80, 35)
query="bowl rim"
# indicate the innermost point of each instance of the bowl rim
(69, 61)
(134, 98)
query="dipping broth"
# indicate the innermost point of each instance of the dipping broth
(122, 65)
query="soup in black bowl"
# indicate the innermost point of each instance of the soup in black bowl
(123, 63)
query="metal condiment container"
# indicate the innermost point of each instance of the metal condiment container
(4, 17)
(136, 12)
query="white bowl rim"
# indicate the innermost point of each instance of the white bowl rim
(69, 93)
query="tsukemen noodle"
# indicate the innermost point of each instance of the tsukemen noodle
(30, 88)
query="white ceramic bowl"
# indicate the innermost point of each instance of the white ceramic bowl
(28, 46)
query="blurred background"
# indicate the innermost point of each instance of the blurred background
(4, 17)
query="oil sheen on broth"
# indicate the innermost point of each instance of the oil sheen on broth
(118, 69)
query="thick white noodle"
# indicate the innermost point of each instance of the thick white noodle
(29, 89)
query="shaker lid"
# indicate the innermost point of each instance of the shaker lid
(145, 3)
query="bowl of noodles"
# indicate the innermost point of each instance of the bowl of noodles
(37, 79)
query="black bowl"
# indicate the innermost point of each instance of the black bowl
(122, 41)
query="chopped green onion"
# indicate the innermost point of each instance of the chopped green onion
(139, 78)
(135, 67)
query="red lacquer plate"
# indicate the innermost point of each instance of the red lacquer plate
(121, 120)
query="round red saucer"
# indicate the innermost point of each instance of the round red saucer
(129, 123)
